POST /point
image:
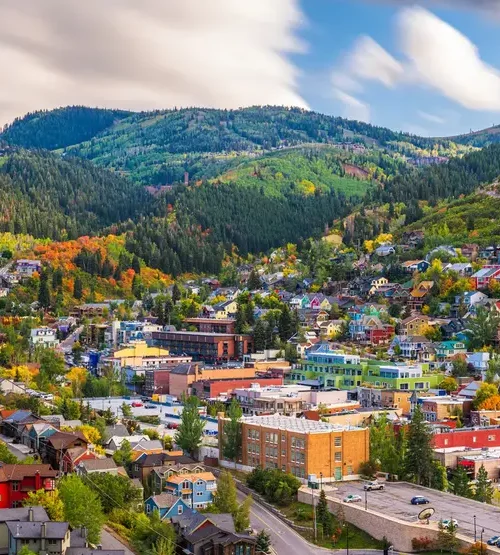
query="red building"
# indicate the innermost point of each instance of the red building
(209, 389)
(212, 325)
(468, 437)
(156, 381)
(379, 335)
(17, 480)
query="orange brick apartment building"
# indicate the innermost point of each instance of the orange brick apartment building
(302, 447)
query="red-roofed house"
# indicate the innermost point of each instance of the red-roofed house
(17, 480)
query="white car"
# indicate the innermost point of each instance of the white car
(447, 522)
(352, 499)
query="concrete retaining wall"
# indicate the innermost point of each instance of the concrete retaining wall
(399, 532)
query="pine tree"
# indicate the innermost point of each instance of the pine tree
(240, 322)
(460, 484)
(136, 265)
(249, 317)
(484, 488)
(419, 455)
(253, 282)
(323, 515)
(78, 288)
(285, 324)
(232, 438)
(43, 291)
(263, 544)
(259, 335)
(176, 293)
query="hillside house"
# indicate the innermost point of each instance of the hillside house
(43, 337)
(167, 505)
(196, 490)
(411, 266)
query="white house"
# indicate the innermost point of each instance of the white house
(43, 337)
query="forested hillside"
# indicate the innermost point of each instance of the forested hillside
(60, 128)
(46, 196)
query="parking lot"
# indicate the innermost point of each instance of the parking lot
(395, 499)
(167, 414)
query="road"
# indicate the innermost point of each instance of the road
(395, 501)
(108, 541)
(164, 412)
(68, 343)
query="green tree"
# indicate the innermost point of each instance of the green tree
(52, 368)
(449, 384)
(232, 440)
(176, 293)
(447, 537)
(49, 500)
(285, 324)
(189, 434)
(241, 517)
(419, 455)
(163, 546)
(123, 455)
(114, 491)
(44, 290)
(323, 515)
(460, 369)
(253, 281)
(82, 506)
(460, 484)
(6, 456)
(25, 550)
(385, 452)
(126, 410)
(483, 329)
(78, 288)
(263, 544)
(484, 488)
(259, 335)
(225, 499)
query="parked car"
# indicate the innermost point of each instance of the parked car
(372, 486)
(352, 499)
(172, 425)
(137, 404)
(149, 406)
(419, 500)
(448, 522)
(494, 540)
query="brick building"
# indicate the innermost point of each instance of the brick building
(212, 325)
(157, 381)
(473, 438)
(213, 347)
(302, 447)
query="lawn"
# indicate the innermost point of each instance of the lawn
(302, 514)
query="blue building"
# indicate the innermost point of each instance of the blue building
(196, 490)
(167, 505)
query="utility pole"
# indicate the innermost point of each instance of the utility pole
(475, 531)
(314, 514)
(366, 499)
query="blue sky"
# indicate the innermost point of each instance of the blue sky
(331, 31)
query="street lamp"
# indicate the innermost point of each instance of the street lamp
(482, 532)
(366, 499)
(314, 512)
(346, 524)
(475, 532)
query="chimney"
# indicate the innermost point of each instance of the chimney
(30, 514)
(43, 535)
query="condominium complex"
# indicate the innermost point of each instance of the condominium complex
(302, 447)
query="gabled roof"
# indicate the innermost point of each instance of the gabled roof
(22, 513)
(165, 500)
(33, 530)
(184, 369)
(62, 440)
(179, 478)
(98, 464)
(16, 472)
(159, 459)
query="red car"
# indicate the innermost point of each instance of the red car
(137, 404)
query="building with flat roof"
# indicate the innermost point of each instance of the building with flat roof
(302, 447)
(140, 354)
(212, 325)
(210, 347)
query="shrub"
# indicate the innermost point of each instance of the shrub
(275, 485)
(422, 544)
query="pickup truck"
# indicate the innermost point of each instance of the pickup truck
(371, 486)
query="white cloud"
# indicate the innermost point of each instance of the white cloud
(431, 117)
(148, 54)
(353, 107)
(448, 61)
(370, 61)
(435, 55)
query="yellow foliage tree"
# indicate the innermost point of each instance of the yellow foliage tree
(20, 373)
(384, 238)
(491, 403)
(307, 187)
(77, 376)
(369, 246)
(91, 434)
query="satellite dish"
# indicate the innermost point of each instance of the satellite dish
(426, 513)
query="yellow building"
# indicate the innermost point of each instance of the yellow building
(140, 354)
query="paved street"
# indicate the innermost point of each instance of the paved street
(395, 501)
(108, 541)
(68, 343)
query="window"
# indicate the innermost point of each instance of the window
(148, 509)
(199, 493)
(52, 542)
(180, 509)
(25, 542)
(338, 456)
(283, 437)
(491, 438)
(338, 441)
(15, 486)
(349, 470)
(474, 439)
(186, 485)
